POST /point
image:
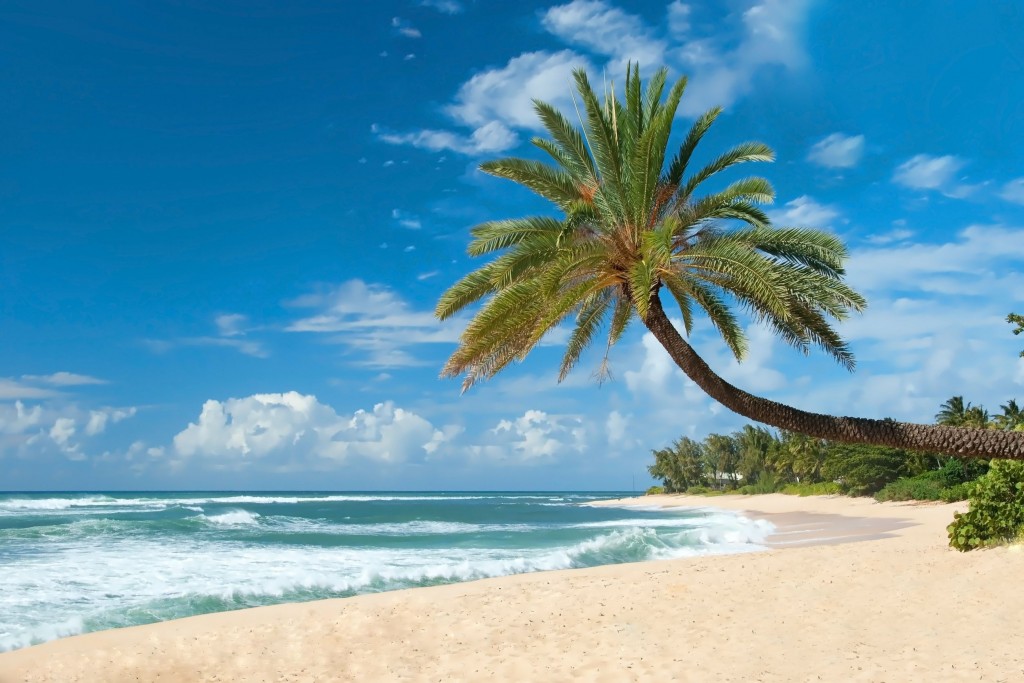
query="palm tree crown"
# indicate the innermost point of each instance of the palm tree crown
(632, 225)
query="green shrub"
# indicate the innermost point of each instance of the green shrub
(997, 508)
(953, 494)
(655, 491)
(933, 485)
(862, 469)
(962, 470)
(822, 488)
(766, 483)
(697, 490)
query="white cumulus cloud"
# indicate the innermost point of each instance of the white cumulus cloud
(291, 430)
(533, 437)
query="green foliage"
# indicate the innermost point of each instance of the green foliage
(861, 470)
(721, 452)
(796, 464)
(1018, 320)
(956, 413)
(822, 488)
(753, 445)
(655, 491)
(801, 455)
(681, 466)
(996, 513)
(634, 223)
(956, 471)
(928, 486)
(758, 488)
(702, 491)
(1012, 418)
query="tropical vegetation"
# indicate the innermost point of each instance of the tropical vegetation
(757, 460)
(1018, 320)
(636, 223)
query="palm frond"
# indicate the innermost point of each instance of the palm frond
(743, 153)
(587, 324)
(552, 184)
(569, 140)
(676, 170)
(497, 235)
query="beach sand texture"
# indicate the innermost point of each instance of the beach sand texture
(851, 590)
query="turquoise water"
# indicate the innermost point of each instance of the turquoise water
(73, 563)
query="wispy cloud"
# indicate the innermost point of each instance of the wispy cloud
(771, 35)
(927, 172)
(804, 212)
(63, 379)
(1013, 191)
(404, 28)
(12, 389)
(606, 30)
(406, 220)
(443, 6)
(837, 151)
(373, 322)
(490, 138)
(231, 334)
(498, 101)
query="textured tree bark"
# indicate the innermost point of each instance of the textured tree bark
(961, 441)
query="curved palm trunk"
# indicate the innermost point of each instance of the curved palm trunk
(977, 443)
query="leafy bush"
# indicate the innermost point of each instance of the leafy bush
(654, 491)
(927, 486)
(962, 470)
(997, 508)
(766, 483)
(705, 491)
(862, 469)
(822, 488)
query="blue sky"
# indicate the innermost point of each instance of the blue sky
(224, 227)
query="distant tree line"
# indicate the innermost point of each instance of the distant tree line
(760, 460)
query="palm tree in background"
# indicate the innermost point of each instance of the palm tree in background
(1018, 320)
(956, 413)
(632, 229)
(1012, 417)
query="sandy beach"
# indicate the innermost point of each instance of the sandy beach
(850, 589)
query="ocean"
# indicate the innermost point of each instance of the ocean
(77, 562)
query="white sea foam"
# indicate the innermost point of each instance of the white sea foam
(42, 505)
(419, 527)
(92, 579)
(233, 518)
(14, 638)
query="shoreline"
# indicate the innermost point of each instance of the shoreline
(870, 605)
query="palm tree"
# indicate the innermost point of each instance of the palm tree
(956, 413)
(754, 444)
(631, 229)
(1012, 417)
(806, 456)
(1018, 320)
